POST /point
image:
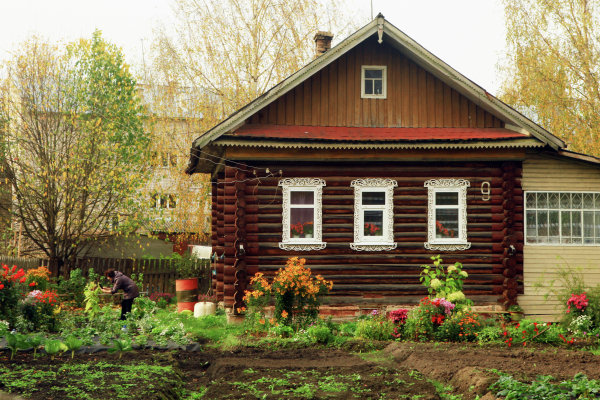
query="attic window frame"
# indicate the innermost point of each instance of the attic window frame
(364, 68)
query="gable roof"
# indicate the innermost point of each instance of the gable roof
(514, 120)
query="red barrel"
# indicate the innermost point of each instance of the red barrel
(187, 294)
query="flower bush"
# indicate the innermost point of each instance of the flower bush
(579, 301)
(38, 278)
(375, 327)
(462, 326)
(156, 296)
(11, 286)
(297, 295)
(445, 284)
(398, 317)
(39, 309)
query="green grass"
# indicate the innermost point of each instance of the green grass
(212, 327)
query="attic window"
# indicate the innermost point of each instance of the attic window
(373, 82)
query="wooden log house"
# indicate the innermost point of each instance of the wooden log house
(371, 159)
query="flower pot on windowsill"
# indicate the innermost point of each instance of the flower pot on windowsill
(308, 235)
(295, 235)
(516, 315)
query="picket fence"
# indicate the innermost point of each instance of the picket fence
(158, 275)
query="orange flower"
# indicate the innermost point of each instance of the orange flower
(262, 321)
(284, 314)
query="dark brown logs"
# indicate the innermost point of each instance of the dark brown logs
(240, 281)
(510, 241)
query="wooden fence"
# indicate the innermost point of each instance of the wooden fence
(158, 275)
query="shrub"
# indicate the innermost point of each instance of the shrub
(37, 279)
(39, 308)
(74, 286)
(297, 295)
(443, 284)
(283, 331)
(569, 286)
(376, 328)
(528, 331)
(320, 334)
(11, 285)
(463, 326)
(157, 296)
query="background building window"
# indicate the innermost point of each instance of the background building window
(562, 218)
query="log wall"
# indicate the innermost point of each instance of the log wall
(415, 98)
(390, 277)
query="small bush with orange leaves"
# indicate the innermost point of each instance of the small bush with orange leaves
(37, 279)
(297, 294)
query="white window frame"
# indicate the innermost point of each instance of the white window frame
(386, 242)
(302, 244)
(383, 95)
(559, 209)
(447, 185)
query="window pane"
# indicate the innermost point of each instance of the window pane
(373, 73)
(588, 201)
(530, 200)
(446, 221)
(373, 198)
(576, 199)
(588, 224)
(565, 229)
(565, 200)
(172, 201)
(542, 200)
(597, 201)
(552, 200)
(302, 197)
(302, 222)
(446, 199)
(368, 86)
(542, 226)
(531, 227)
(373, 223)
(378, 86)
(553, 227)
(597, 223)
(576, 223)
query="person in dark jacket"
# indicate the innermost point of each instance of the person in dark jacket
(120, 281)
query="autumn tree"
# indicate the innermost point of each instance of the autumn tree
(72, 145)
(217, 56)
(551, 66)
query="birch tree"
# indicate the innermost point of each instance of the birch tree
(214, 58)
(72, 145)
(551, 65)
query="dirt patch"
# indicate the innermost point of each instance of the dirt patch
(468, 365)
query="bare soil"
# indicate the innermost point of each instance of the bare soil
(250, 373)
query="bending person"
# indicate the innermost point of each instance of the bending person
(120, 281)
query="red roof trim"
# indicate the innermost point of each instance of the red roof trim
(372, 134)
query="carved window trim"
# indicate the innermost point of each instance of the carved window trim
(439, 185)
(302, 244)
(387, 243)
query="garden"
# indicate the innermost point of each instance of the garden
(62, 339)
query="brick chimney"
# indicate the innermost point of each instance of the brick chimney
(323, 40)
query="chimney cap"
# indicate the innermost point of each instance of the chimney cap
(321, 35)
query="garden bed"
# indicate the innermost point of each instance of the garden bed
(402, 370)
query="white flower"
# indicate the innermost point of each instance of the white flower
(451, 269)
(463, 274)
(455, 297)
(435, 283)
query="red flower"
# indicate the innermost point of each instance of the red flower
(33, 284)
(1, 286)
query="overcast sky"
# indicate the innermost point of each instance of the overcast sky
(466, 34)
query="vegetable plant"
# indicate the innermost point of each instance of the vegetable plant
(15, 342)
(52, 347)
(120, 346)
(35, 342)
(73, 344)
(92, 300)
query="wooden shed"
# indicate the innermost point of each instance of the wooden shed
(368, 161)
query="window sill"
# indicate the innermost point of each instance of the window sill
(299, 246)
(373, 96)
(373, 246)
(457, 246)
